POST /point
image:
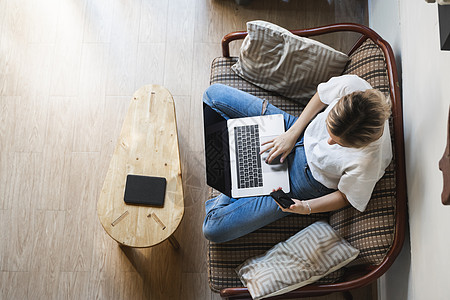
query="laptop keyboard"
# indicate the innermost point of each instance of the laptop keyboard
(249, 171)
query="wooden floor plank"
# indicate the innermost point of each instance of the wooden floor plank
(5, 223)
(191, 280)
(81, 219)
(58, 147)
(42, 285)
(7, 126)
(122, 49)
(179, 51)
(31, 123)
(14, 285)
(47, 241)
(208, 26)
(150, 64)
(73, 285)
(25, 189)
(154, 21)
(98, 21)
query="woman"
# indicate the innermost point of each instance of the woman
(335, 157)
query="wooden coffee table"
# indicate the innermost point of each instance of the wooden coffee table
(148, 145)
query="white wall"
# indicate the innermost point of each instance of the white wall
(384, 18)
(423, 273)
(426, 94)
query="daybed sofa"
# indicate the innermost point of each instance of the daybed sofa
(378, 232)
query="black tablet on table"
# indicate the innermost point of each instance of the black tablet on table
(145, 190)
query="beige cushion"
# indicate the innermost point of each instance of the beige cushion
(274, 59)
(304, 258)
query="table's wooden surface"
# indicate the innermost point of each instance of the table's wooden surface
(148, 145)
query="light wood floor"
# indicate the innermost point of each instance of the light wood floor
(68, 69)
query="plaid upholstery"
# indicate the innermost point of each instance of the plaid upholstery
(224, 258)
(371, 232)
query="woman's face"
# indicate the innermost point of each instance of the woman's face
(332, 140)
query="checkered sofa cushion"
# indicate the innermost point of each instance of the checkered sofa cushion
(371, 232)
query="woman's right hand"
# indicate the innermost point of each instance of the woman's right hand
(281, 145)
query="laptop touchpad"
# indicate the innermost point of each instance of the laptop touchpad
(275, 165)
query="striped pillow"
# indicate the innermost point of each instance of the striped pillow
(274, 59)
(304, 258)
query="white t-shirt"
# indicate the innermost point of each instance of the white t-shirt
(353, 171)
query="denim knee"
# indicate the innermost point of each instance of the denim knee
(211, 233)
(214, 91)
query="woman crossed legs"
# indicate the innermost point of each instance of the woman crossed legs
(228, 218)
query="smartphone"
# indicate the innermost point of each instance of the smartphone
(282, 198)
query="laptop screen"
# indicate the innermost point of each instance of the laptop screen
(217, 153)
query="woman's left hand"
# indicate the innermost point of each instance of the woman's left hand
(298, 208)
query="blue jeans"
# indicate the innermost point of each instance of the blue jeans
(228, 218)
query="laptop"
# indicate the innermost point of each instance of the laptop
(233, 163)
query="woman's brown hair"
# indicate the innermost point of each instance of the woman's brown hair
(358, 118)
